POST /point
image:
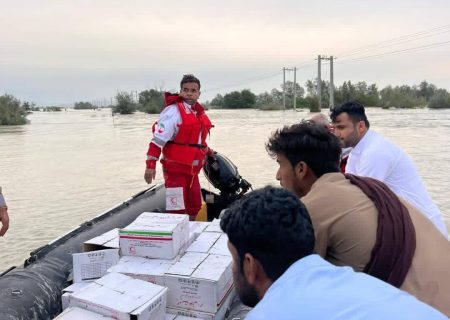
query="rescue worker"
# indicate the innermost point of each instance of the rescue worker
(180, 135)
(4, 218)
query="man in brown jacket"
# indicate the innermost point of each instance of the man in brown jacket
(347, 223)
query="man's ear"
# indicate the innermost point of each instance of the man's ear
(361, 127)
(251, 268)
(301, 169)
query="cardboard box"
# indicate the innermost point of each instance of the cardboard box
(214, 226)
(220, 247)
(204, 242)
(108, 240)
(199, 281)
(177, 317)
(91, 265)
(219, 315)
(155, 235)
(68, 291)
(78, 314)
(150, 270)
(122, 297)
(197, 227)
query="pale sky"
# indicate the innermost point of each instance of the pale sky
(63, 51)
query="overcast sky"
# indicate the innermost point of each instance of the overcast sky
(63, 51)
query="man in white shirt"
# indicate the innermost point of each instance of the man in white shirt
(275, 270)
(376, 157)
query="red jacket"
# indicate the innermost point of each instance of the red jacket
(185, 149)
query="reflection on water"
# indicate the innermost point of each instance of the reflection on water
(66, 167)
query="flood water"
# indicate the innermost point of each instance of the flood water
(66, 167)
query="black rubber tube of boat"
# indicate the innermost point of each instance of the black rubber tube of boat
(34, 290)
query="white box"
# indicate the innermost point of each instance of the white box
(68, 291)
(108, 240)
(214, 226)
(122, 297)
(220, 247)
(204, 242)
(74, 313)
(197, 227)
(177, 317)
(155, 235)
(199, 281)
(91, 265)
(219, 315)
(150, 270)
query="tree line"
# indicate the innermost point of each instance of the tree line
(416, 96)
(13, 111)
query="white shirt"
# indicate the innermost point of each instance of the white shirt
(167, 127)
(377, 157)
(313, 289)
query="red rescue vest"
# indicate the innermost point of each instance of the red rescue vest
(185, 149)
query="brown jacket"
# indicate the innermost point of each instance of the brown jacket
(345, 223)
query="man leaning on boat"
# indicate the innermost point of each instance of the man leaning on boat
(275, 269)
(358, 221)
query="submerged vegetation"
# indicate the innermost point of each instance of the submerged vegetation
(417, 96)
(12, 112)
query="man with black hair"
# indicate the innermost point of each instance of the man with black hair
(275, 270)
(359, 221)
(377, 157)
(180, 135)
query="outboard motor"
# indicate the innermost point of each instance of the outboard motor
(224, 176)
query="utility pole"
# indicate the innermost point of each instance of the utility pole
(295, 87)
(284, 85)
(284, 88)
(319, 81)
(331, 83)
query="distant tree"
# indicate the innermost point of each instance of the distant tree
(400, 97)
(289, 89)
(83, 105)
(217, 101)
(426, 90)
(125, 103)
(27, 106)
(248, 98)
(440, 99)
(151, 101)
(11, 111)
(52, 109)
(236, 99)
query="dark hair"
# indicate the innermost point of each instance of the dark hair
(307, 142)
(354, 109)
(271, 224)
(187, 78)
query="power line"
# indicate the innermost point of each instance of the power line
(246, 81)
(431, 45)
(399, 40)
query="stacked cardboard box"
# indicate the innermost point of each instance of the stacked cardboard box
(121, 297)
(155, 235)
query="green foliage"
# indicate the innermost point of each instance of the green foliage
(401, 97)
(366, 94)
(125, 103)
(83, 105)
(217, 101)
(236, 99)
(440, 99)
(151, 101)
(11, 111)
(52, 109)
